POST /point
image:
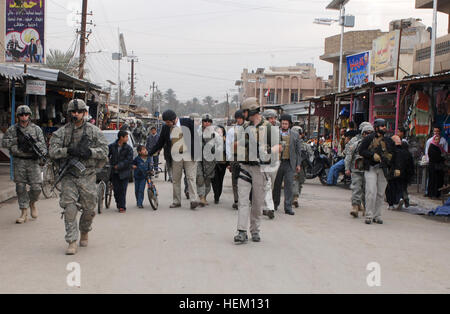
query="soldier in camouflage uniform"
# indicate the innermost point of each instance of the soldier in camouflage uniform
(206, 167)
(79, 140)
(354, 167)
(300, 178)
(139, 133)
(255, 149)
(25, 161)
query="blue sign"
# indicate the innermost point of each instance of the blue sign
(358, 69)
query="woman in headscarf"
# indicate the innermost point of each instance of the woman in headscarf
(436, 153)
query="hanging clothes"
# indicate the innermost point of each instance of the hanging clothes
(422, 115)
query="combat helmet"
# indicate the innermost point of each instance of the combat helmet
(23, 110)
(251, 104)
(207, 117)
(270, 114)
(77, 104)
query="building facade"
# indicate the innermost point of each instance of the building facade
(281, 85)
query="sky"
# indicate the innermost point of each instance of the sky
(200, 47)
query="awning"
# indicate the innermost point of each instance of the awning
(59, 78)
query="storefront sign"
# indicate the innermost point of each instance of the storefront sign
(385, 52)
(36, 87)
(358, 69)
(25, 29)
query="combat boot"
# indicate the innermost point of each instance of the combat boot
(72, 249)
(34, 212)
(355, 211)
(203, 202)
(295, 202)
(23, 219)
(84, 239)
(362, 209)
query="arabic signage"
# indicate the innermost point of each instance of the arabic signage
(385, 52)
(25, 29)
(35, 87)
(358, 69)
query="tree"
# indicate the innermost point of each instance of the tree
(63, 61)
(170, 100)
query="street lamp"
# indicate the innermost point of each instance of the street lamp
(344, 21)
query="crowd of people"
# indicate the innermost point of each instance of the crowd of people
(263, 151)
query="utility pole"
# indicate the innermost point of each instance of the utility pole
(228, 108)
(152, 88)
(433, 38)
(83, 38)
(132, 59)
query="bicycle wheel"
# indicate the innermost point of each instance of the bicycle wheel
(153, 197)
(108, 194)
(100, 196)
(47, 181)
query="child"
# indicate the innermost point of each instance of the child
(142, 166)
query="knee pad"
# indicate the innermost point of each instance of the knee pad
(21, 188)
(70, 212)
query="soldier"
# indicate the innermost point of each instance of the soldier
(206, 167)
(300, 178)
(26, 161)
(377, 150)
(139, 133)
(254, 150)
(354, 167)
(83, 142)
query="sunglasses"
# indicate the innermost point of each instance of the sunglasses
(78, 111)
(24, 114)
(208, 121)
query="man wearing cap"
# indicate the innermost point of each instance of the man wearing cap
(271, 170)
(377, 150)
(179, 135)
(291, 160)
(26, 161)
(206, 166)
(84, 143)
(255, 148)
(354, 167)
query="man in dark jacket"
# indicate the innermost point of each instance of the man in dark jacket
(180, 136)
(377, 150)
(121, 160)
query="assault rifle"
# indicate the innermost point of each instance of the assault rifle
(73, 162)
(384, 163)
(33, 144)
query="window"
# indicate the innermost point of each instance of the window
(294, 97)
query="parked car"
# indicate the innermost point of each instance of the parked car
(111, 137)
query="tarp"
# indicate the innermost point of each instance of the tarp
(442, 210)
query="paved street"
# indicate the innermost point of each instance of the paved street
(321, 249)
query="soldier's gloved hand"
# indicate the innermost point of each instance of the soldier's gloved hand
(73, 152)
(397, 173)
(85, 153)
(376, 157)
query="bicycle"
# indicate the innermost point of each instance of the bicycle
(49, 175)
(104, 188)
(152, 193)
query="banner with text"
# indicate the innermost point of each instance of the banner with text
(25, 30)
(385, 52)
(358, 69)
